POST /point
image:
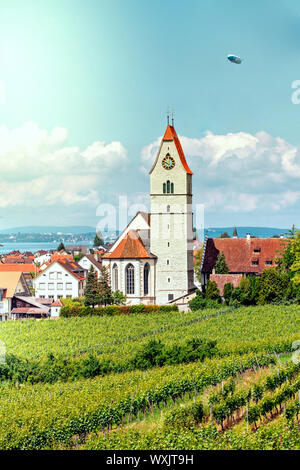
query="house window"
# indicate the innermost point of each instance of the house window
(58, 275)
(42, 285)
(69, 286)
(170, 297)
(51, 286)
(129, 279)
(268, 263)
(59, 286)
(256, 250)
(51, 275)
(115, 277)
(146, 278)
(255, 262)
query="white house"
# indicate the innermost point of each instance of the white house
(11, 283)
(61, 279)
(152, 260)
(91, 260)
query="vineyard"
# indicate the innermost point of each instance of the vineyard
(213, 379)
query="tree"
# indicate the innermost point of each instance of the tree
(61, 247)
(295, 267)
(212, 291)
(118, 298)
(98, 240)
(273, 286)
(291, 233)
(105, 294)
(197, 263)
(227, 292)
(91, 288)
(224, 235)
(221, 265)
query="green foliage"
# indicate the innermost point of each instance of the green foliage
(154, 353)
(224, 235)
(227, 292)
(61, 247)
(221, 266)
(183, 417)
(295, 268)
(197, 263)
(105, 295)
(79, 310)
(118, 298)
(212, 291)
(98, 240)
(91, 289)
(273, 286)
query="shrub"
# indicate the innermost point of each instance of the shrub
(178, 418)
(79, 310)
(212, 291)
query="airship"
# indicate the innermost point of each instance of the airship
(234, 59)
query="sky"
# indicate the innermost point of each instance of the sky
(84, 90)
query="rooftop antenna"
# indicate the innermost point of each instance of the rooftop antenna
(168, 115)
(173, 118)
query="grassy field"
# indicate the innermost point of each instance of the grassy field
(251, 373)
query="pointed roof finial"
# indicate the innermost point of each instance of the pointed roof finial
(168, 115)
(173, 117)
(235, 235)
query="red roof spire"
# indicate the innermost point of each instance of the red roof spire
(170, 134)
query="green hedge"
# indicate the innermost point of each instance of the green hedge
(77, 310)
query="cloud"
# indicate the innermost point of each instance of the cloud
(39, 169)
(239, 172)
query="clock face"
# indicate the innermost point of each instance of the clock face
(168, 162)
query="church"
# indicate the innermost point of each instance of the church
(152, 260)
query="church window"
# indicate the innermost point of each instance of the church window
(168, 262)
(172, 188)
(115, 277)
(169, 279)
(146, 278)
(168, 187)
(129, 279)
(164, 188)
(168, 208)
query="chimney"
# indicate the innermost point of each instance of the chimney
(248, 236)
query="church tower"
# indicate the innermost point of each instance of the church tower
(171, 238)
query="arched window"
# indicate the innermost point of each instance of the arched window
(129, 279)
(168, 187)
(146, 278)
(115, 277)
(164, 188)
(172, 188)
(168, 208)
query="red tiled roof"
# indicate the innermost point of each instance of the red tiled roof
(130, 247)
(31, 311)
(222, 279)
(22, 268)
(239, 253)
(170, 134)
(57, 303)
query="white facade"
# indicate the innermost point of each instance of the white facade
(171, 237)
(118, 278)
(166, 234)
(86, 263)
(57, 282)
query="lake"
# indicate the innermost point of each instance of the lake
(33, 247)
